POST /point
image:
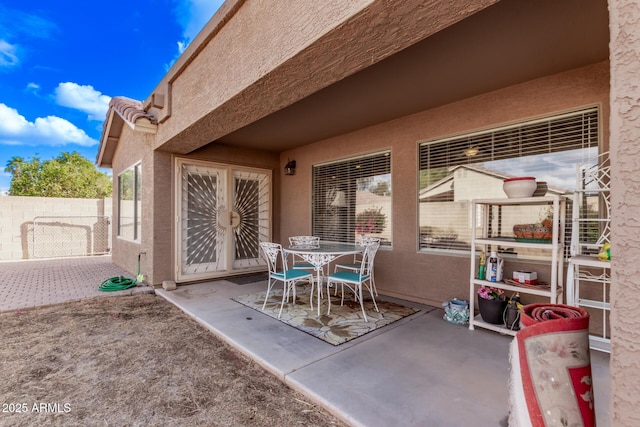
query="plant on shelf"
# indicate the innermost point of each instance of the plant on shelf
(491, 293)
(492, 304)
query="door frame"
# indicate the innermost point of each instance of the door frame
(229, 269)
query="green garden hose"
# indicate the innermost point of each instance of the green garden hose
(119, 283)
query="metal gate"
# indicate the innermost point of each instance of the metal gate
(62, 236)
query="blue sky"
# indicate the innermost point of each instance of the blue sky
(62, 61)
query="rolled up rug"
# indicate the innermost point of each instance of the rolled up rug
(550, 379)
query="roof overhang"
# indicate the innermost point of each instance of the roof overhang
(122, 110)
(500, 44)
(503, 45)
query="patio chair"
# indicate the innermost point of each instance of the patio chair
(355, 281)
(280, 272)
(357, 261)
(299, 263)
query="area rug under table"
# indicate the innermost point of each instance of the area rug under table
(343, 324)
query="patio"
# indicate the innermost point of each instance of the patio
(419, 370)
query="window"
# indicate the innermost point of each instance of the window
(455, 170)
(129, 203)
(352, 198)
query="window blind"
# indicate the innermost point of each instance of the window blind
(352, 198)
(455, 170)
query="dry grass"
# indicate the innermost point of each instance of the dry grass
(121, 361)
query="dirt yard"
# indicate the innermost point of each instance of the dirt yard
(137, 360)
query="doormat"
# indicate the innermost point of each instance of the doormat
(342, 325)
(245, 280)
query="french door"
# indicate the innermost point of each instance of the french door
(223, 213)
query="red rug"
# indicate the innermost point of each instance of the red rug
(551, 382)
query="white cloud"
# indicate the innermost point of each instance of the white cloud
(15, 129)
(181, 47)
(84, 98)
(16, 24)
(33, 88)
(192, 16)
(8, 55)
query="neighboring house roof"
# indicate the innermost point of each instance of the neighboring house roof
(122, 110)
(443, 190)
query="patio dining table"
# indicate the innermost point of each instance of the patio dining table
(320, 255)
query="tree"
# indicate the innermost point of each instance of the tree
(381, 188)
(68, 175)
(14, 165)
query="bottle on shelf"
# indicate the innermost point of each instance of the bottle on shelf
(482, 267)
(495, 266)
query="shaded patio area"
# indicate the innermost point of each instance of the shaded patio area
(419, 370)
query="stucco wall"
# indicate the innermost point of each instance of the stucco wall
(17, 216)
(161, 219)
(125, 252)
(625, 199)
(157, 240)
(258, 39)
(298, 47)
(403, 271)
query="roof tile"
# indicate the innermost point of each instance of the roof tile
(130, 110)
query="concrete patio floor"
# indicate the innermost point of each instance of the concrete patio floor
(419, 371)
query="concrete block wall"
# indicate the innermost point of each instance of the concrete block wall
(17, 214)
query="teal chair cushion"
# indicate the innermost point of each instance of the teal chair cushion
(348, 276)
(290, 274)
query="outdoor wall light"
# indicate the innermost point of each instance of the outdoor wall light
(290, 168)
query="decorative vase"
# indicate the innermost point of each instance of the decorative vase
(492, 310)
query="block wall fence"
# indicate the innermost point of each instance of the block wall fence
(69, 227)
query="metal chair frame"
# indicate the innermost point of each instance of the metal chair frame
(280, 272)
(355, 281)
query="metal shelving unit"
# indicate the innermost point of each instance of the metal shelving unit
(554, 249)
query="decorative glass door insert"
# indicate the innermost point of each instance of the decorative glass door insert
(221, 221)
(251, 207)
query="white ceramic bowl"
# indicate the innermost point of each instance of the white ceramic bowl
(523, 186)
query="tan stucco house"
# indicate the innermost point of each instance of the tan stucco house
(379, 97)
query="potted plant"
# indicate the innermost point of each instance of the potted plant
(491, 303)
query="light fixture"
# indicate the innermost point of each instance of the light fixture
(471, 151)
(340, 201)
(290, 168)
